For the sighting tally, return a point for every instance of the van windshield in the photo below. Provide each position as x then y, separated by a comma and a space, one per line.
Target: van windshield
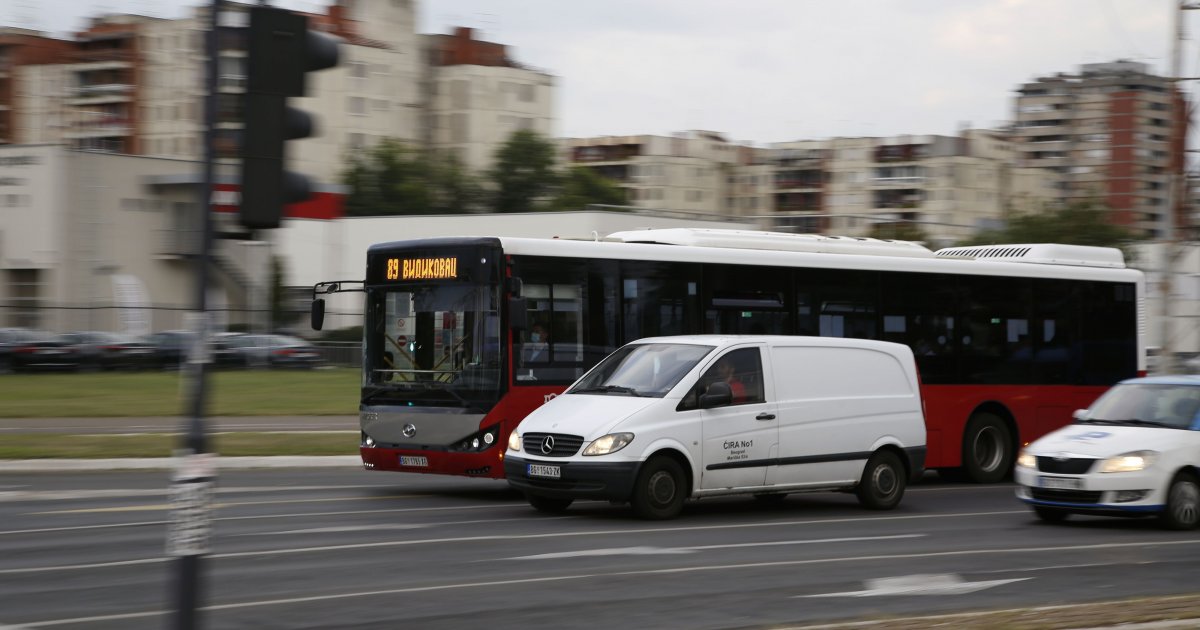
649, 370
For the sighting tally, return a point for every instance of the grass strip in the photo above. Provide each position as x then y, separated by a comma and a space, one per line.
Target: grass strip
321, 392
50, 446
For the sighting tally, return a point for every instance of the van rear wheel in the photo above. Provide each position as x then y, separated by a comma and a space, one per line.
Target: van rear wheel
883, 482
660, 489
987, 448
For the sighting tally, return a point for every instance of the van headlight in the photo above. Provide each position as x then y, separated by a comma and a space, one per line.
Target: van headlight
1129, 462
610, 443
1026, 460
514, 441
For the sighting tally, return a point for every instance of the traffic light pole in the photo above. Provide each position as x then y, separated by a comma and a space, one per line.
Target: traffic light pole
194, 476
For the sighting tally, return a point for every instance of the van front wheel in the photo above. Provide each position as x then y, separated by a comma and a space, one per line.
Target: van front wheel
883, 482
660, 489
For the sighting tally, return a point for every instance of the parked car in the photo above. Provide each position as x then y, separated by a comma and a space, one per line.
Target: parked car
110, 351
1134, 452
275, 351
30, 350
171, 347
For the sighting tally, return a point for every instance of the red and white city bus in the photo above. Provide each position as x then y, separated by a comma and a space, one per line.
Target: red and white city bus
465, 336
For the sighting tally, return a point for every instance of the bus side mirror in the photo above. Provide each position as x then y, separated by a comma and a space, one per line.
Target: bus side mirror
518, 313
719, 394
318, 313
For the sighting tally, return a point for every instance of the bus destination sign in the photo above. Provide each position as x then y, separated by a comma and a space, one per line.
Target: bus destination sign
422, 268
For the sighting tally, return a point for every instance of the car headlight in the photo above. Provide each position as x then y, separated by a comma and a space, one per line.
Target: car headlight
1026, 460
610, 443
514, 441
1129, 462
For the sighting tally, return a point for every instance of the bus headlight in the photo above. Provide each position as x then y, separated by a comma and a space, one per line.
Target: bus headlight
1026, 460
610, 443
514, 441
1129, 462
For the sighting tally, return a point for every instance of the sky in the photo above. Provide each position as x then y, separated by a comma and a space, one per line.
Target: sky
765, 71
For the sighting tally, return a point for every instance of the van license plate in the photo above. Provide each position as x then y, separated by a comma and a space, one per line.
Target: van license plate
1059, 483
540, 470
414, 460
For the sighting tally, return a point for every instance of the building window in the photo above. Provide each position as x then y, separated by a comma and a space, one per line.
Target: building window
357, 70
525, 93
357, 106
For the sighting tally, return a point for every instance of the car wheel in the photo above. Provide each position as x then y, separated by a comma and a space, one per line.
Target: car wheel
660, 489
883, 482
549, 505
1183, 503
987, 449
1051, 515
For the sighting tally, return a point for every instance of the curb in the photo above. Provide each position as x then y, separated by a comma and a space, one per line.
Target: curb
168, 463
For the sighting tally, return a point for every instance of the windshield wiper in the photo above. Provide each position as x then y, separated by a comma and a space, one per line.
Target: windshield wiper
369, 393
606, 389
1130, 421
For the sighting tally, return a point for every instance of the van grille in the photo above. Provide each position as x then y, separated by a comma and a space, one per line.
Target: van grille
563, 445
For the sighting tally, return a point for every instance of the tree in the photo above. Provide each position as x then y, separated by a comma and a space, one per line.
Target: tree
393, 178
523, 172
582, 187
898, 231
1082, 223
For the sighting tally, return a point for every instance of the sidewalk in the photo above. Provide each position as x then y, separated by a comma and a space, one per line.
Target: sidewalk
167, 463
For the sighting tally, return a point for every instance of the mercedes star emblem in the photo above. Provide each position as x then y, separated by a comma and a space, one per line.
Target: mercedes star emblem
409, 430
547, 444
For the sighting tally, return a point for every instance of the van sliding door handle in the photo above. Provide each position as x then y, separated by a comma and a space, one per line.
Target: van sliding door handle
765, 416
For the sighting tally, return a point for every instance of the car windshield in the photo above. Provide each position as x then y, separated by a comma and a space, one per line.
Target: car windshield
1147, 404
651, 369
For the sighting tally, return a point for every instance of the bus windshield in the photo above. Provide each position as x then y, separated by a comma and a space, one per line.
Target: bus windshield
432, 344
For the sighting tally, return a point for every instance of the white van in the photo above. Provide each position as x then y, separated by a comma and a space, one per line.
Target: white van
667, 418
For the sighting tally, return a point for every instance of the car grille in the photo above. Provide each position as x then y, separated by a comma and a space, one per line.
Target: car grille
1065, 496
1073, 466
564, 445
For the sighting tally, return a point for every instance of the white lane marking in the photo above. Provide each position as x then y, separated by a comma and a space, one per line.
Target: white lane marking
108, 493
584, 576
94, 565
941, 584
338, 530
649, 551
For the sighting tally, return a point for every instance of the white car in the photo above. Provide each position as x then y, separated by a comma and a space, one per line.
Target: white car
1134, 452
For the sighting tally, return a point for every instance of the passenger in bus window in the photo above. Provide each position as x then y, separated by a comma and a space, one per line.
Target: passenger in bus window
537, 349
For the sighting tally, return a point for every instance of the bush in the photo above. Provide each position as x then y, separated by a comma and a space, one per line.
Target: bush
352, 333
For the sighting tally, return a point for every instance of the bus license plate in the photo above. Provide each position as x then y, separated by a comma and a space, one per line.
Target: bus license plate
541, 470
414, 460
1059, 483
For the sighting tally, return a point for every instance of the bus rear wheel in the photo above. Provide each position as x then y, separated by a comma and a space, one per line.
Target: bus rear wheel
987, 448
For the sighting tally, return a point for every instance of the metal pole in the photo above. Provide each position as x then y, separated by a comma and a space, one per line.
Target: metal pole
1167, 360
193, 479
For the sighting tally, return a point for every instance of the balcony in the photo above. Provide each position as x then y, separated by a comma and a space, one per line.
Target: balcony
176, 243
102, 127
99, 93
901, 181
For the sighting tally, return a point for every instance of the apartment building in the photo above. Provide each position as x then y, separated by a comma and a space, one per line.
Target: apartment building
1112, 132
693, 171
478, 96
949, 186
134, 85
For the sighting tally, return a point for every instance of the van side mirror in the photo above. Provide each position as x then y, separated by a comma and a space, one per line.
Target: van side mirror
318, 313
719, 394
518, 313
1079, 414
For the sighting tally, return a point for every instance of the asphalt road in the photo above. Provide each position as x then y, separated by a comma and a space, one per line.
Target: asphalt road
356, 549
168, 424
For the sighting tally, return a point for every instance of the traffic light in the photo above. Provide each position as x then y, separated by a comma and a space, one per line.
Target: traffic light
281, 51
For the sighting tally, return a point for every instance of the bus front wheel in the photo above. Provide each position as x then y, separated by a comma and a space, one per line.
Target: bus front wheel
987, 448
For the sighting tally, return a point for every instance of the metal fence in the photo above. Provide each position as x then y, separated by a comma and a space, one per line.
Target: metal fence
341, 353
